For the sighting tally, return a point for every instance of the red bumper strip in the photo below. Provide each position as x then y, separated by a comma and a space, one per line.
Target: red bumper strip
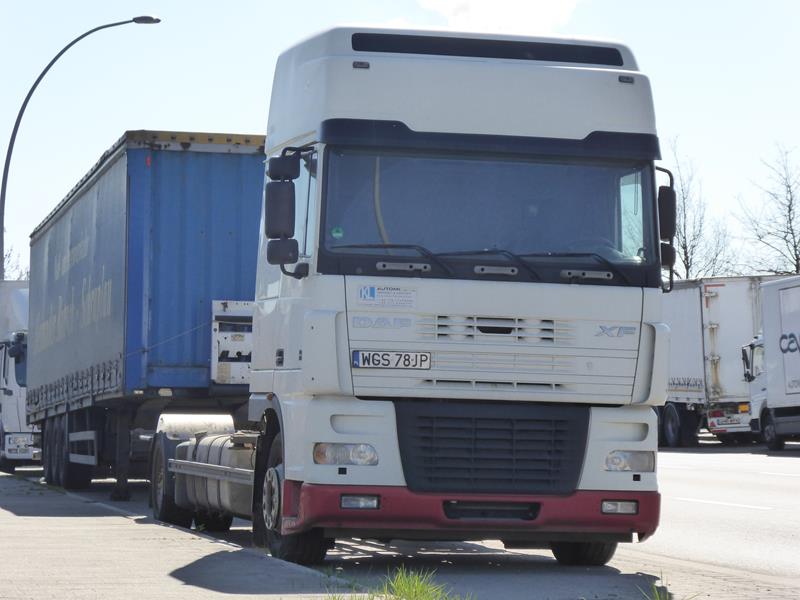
401, 509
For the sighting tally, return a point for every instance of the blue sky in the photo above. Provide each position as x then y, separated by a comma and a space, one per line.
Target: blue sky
724, 76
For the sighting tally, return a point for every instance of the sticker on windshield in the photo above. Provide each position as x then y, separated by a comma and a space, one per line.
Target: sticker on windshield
337, 233
387, 295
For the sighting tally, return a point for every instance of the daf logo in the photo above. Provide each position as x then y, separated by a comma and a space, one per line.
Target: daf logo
381, 322
615, 330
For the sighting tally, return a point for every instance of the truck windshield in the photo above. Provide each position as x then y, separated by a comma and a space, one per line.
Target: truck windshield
449, 203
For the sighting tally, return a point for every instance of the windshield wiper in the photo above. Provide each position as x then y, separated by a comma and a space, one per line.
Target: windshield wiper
515, 258
598, 257
421, 249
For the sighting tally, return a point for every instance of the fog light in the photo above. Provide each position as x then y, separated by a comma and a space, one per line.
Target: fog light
642, 461
620, 507
345, 454
363, 502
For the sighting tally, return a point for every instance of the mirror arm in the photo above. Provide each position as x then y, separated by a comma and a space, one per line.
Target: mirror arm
300, 271
669, 174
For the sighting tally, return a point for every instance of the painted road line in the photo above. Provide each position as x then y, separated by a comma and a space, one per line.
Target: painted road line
779, 474
733, 504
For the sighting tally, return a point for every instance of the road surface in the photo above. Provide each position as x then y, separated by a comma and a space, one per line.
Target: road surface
730, 529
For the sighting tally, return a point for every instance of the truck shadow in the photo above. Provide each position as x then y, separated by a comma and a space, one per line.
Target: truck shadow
244, 571
482, 571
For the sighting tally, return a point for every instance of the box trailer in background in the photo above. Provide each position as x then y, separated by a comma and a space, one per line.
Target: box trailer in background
16, 436
772, 364
124, 273
708, 319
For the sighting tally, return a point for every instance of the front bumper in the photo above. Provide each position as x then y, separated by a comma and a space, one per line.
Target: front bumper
405, 514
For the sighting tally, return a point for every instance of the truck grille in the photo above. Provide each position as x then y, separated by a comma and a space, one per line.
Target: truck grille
491, 447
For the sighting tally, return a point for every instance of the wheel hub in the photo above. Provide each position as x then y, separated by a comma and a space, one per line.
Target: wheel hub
271, 498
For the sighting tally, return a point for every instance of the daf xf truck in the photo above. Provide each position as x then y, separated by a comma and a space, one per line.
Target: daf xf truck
772, 364
457, 330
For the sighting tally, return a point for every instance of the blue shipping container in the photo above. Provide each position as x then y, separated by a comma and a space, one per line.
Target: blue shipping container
124, 270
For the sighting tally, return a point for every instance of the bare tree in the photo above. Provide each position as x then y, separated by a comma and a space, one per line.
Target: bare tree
701, 244
13, 268
775, 225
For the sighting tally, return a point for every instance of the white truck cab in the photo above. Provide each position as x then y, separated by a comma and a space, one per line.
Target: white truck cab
469, 343
16, 436
772, 364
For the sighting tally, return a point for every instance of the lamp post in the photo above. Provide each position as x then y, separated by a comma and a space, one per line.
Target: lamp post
144, 20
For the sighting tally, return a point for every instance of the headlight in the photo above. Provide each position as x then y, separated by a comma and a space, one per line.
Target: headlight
344, 454
642, 461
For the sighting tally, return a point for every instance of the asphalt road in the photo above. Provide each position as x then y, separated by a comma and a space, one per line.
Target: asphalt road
730, 528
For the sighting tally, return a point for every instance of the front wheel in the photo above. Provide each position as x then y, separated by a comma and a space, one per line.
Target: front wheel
306, 548
771, 437
583, 554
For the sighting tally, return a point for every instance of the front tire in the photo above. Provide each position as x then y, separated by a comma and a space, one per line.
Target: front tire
7, 466
771, 437
583, 554
306, 548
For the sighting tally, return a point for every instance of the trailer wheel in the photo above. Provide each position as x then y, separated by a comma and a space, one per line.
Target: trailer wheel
584, 554
74, 476
771, 437
47, 450
7, 466
206, 521
672, 426
306, 548
59, 451
162, 496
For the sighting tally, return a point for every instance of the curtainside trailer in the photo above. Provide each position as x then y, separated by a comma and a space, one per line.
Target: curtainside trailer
124, 275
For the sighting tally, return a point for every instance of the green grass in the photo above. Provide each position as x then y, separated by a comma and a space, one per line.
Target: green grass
403, 584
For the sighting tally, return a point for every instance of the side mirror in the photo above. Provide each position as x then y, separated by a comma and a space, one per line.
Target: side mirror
286, 167
282, 252
666, 212
279, 209
667, 256
748, 376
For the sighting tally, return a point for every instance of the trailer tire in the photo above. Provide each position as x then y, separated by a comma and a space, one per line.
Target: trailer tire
162, 492
206, 521
771, 437
583, 554
59, 450
673, 435
47, 451
306, 548
689, 425
74, 476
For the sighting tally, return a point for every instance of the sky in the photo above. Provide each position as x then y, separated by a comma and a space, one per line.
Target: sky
724, 77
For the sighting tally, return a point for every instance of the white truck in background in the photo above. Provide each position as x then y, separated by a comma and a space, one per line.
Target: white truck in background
772, 364
16, 436
457, 330
708, 319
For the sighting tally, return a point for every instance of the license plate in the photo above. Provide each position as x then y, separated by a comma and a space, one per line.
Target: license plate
376, 359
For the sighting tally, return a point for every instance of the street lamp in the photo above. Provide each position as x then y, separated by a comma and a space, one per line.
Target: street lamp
144, 20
